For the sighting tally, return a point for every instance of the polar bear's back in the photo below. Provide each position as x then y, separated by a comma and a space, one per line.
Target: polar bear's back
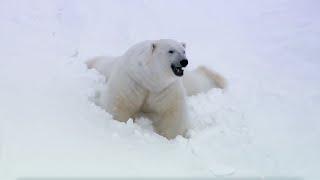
102, 64
138, 49
202, 80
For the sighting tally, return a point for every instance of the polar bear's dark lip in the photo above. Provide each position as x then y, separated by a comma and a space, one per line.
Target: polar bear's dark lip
177, 70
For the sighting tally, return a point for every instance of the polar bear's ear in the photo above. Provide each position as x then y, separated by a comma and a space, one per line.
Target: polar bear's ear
183, 44
153, 47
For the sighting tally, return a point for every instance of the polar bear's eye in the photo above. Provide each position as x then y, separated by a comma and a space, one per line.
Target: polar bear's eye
171, 51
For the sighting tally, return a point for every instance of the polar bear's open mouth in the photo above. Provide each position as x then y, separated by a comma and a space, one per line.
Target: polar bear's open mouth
177, 70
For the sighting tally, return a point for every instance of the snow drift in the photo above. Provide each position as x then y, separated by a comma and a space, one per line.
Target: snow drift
265, 124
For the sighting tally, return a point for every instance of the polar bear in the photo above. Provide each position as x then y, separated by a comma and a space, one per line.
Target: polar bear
200, 80
147, 80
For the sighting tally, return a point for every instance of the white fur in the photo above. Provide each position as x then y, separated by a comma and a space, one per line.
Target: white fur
202, 80
141, 81
102, 64
197, 81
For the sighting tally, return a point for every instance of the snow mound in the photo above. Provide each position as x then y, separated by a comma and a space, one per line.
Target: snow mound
265, 124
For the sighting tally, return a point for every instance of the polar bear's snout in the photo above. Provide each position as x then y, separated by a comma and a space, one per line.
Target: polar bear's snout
184, 62
177, 67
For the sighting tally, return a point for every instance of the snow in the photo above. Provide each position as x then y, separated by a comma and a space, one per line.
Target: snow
265, 124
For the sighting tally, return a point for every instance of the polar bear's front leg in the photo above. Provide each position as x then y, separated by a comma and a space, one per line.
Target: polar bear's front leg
170, 117
122, 97
172, 124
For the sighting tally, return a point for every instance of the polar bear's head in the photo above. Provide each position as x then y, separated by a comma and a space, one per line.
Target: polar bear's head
155, 64
169, 55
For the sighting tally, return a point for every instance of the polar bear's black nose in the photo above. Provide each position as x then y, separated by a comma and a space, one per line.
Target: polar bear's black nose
184, 62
